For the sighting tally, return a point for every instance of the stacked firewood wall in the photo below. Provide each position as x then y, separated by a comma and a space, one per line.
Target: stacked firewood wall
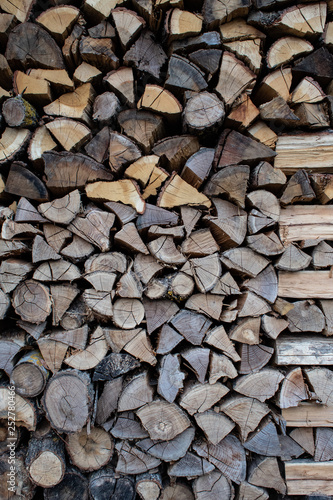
166, 283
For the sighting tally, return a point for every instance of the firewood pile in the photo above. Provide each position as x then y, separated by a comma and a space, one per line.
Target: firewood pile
166, 284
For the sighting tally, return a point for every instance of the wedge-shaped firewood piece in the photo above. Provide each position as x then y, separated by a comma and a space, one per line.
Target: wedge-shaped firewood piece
215, 425
168, 339
244, 261
220, 366
12, 230
22, 182
26, 212
273, 326
4, 304
75, 105
42, 251
298, 189
25, 412
217, 12
41, 141
308, 91
170, 379
176, 151
136, 393
158, 312
21, 10
265, 284
124, 190
293, 389
147, 173
176, 233
59, 270
304, 437
140, 347
277, 83
159, 100
34, 89
98, 9
128, 25
197, 397
246, 412
91, 355
90, 451
163, 420
261, 385
265, 441
113, 365
192, 326
267, 177
198, 166
59, 21
230, 225
129, 238
247, 50
206, 303
321, 380
129, 286
206, 271
69, 133
131, 460
58, 78
190, 464
235, 148
121, 82
99, 53
144, 127
265, 243
78, 250
305, 316
197, 360
31, 301
230, 181
62, 210
183, 74
68, 171
218, 338
128, 313
122, 151
248, 491
72, 415
317, 65
313, 116
53, 353
170, 450
266, 471
182, 24
126, 426
86, 73
164, 250
228, 456
246, 331
234, 78
76, 338
94, 227
262, 133
286, 49
11, 248
31, 46
324, 445
124, 213
146, 55
56, 236
117, 338
293, 152
293, 259
254, 357
243, 113
156, 215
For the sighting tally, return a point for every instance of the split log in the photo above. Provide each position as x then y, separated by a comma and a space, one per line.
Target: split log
230, 224
128, 25
286, 49
76, 105
94, 226
192, 326
22, 182
243, 113
304, 437
25, 411
215, 13
122, 151
218, 338
234, 78
293, 389
308, 415
126, 427
266, 471
121, 81
305, 284
215, 426
293, 259
197, 397
185, 75
59, 21
176, 151
177, 192
261, 385
302, 222
124, 190
159, 100
154, 56
98, 52
170, 420
230, 181
245, 412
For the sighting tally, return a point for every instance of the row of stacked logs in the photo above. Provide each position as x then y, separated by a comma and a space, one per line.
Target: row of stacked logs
166, 292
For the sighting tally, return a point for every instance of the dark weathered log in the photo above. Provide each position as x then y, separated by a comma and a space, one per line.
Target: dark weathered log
45, 461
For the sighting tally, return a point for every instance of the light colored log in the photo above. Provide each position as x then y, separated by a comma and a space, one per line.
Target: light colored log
305, 284
304, 350
306, 477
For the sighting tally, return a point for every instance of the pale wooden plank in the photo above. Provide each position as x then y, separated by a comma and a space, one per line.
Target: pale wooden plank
305, 284
304, 350
306, 222
308, 415
305, 477
309, 151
